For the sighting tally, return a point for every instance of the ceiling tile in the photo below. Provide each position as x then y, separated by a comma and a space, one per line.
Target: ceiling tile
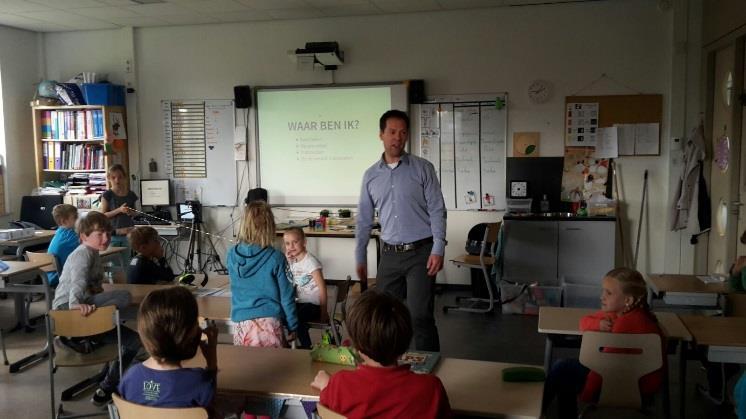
351, 10
31, 24
138, 21
274, 4
68, 4
158, 9
189, 19
242, 16
19, 6
398, 6
117, 2
469, 4
62, 17
216, 6
326, 4
104, 13
305, 13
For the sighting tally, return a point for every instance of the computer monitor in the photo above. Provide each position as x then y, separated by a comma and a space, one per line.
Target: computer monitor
185, 212
155, 192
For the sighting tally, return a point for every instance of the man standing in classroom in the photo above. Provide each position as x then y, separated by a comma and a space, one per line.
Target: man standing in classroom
405, 190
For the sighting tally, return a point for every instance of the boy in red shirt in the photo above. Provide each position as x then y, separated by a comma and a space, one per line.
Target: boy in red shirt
381, 328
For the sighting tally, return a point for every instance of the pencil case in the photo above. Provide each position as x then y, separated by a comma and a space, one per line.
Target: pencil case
332, 354
523, 374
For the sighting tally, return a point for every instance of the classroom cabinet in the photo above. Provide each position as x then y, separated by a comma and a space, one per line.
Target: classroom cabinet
558, 252
530, 251
585, 251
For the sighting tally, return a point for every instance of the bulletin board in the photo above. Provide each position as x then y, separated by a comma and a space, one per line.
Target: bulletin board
464, 137
625, 109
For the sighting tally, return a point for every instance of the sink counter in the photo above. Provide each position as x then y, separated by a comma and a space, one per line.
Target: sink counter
555, 217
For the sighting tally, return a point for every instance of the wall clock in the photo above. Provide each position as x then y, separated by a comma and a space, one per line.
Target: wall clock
539, 91
518, 189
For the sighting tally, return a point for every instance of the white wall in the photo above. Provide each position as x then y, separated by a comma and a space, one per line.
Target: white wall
19, 74
474, 51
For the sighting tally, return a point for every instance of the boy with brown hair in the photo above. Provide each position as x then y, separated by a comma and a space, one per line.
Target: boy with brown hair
80, 288
149, 266
65, 238
380, 328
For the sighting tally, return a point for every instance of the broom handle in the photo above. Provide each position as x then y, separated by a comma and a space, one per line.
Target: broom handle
639, 221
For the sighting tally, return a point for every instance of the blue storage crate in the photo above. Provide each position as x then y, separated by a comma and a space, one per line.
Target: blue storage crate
103, 94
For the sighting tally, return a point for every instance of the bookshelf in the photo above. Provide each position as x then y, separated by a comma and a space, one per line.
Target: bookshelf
85, 139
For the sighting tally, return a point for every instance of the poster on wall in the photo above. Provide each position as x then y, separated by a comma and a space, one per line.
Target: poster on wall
583, 175
582, 124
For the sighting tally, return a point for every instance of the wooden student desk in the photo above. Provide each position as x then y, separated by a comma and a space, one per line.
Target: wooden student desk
17, 279
139, 291
725, 337
39, 237
686, 289
473, 387
566, 321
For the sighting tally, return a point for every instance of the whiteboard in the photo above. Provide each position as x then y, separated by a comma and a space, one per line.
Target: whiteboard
465, 138
315, 142
219, 187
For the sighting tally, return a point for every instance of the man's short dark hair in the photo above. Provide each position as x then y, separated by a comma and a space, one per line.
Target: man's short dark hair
93, 221
167, 323
393, 114
380, 326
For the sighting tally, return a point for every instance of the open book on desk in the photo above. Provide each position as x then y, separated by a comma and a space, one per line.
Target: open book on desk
420, 362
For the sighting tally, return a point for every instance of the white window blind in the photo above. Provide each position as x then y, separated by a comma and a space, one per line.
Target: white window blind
188, 139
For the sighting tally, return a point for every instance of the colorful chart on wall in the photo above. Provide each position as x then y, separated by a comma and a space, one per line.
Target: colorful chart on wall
464, 137
583, 175
582, 123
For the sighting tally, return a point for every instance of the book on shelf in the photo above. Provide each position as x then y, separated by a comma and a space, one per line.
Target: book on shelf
84, 124
420, 362
58, 156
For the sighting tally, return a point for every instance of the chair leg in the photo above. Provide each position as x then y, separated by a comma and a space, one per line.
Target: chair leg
74, 390
2, 345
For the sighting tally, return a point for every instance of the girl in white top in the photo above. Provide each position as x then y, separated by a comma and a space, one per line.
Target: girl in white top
308, 280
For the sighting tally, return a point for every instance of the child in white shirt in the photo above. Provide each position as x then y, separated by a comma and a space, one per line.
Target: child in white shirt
308, 280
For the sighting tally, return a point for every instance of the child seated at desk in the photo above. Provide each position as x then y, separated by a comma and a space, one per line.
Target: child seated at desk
167, 323
65, 238
261, 292
148, 266
80, 288
308, 279
380, 328
624, 309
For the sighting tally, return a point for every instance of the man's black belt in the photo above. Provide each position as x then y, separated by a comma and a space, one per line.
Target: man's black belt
406, 247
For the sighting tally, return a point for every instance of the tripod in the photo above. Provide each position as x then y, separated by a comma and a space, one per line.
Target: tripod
195, 245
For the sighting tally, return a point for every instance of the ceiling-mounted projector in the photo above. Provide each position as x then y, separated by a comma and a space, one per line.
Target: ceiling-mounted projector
324, 55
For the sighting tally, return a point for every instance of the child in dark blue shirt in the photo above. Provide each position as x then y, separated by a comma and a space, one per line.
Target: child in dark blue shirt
65, 238
170, 332
149, 266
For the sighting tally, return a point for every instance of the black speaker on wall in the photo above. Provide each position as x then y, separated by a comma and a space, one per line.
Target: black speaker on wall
242, 96
416, 91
